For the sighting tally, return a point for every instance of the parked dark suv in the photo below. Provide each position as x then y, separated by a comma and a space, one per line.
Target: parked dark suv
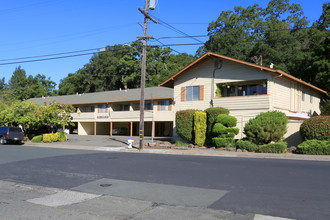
11, 134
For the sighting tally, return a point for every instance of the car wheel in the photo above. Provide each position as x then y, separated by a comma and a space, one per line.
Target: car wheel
2, 140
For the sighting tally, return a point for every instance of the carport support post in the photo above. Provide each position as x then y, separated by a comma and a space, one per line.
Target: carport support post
94, 128
131, 129
111, 128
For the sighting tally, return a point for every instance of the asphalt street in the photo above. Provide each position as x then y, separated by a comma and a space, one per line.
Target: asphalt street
286, 188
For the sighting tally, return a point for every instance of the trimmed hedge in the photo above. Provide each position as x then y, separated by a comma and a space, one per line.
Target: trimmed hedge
226, 120
49, 138
61, 136
246, 145
223, 142
200, 128
279, 147
212, 114
314, 147
37, 139
266, 127
316, 128
224, 132
184, 121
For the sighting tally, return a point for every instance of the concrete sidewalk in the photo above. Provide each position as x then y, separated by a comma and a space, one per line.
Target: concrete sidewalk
118, 143
21, 201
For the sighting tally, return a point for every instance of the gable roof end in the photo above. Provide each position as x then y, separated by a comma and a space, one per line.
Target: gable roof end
170, 81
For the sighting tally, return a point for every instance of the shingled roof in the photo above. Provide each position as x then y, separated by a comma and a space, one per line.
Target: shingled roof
151, 93
170, 81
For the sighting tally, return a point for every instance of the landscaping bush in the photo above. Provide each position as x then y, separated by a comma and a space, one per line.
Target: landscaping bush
223, 131
212, 114
184, 121
25, 138
279, 147
223, 142
246, 145
266, 127
37, 139
181, 143
316, 128
226, 120
314, 147
49, 138
61, 136
200, 127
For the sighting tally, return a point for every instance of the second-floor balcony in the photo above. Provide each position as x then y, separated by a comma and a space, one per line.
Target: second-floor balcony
112, 116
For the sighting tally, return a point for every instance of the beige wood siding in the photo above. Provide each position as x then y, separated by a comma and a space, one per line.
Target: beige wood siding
281, 93
202, 75
310, 108
257, 102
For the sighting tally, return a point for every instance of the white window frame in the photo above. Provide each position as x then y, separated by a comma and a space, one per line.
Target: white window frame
192, 96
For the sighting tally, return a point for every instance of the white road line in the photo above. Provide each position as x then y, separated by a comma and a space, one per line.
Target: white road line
268, 217
63, 198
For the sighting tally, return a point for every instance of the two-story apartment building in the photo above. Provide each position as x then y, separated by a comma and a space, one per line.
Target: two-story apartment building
118, 112
246, 89
213, 80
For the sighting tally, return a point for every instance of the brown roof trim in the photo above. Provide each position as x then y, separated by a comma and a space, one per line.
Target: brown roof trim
167, 83
125, 101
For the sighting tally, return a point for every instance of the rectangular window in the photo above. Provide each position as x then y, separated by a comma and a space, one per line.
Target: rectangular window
147, 106
103, 108
238, 89
192, 93
252, 90
164, 105
241, 90
124, 107
303, 96
311, 99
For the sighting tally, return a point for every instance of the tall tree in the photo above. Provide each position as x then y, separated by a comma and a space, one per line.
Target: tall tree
280, 33
120, 67
17, 84
23, 87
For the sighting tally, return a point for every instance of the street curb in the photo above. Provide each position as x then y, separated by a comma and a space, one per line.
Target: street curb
188, 152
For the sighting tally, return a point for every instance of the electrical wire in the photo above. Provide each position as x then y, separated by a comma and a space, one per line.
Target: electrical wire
163, 23
52, 58
48, 55
165, 45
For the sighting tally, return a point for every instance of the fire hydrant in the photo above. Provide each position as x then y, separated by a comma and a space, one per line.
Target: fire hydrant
130, 142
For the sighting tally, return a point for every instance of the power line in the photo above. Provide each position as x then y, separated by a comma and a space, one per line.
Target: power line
164, 45
163, 23
48, 55
52, 58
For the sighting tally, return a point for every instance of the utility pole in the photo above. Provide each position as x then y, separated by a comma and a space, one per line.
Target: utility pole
145, 37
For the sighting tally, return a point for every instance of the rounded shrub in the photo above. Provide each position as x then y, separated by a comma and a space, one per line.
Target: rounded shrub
226, 120
279, 147
184, 121
314, 147
246, 145
49, 138
61, 136
266, 127
37, 139
316, 128
223, 142
224, 132
200, 127
212, 114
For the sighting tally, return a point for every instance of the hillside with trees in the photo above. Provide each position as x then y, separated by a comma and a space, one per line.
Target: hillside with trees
279, 33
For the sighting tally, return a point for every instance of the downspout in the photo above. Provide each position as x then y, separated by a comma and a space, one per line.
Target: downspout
217, 66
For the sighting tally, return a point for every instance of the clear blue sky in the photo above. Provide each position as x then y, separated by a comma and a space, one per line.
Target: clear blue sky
39, 27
